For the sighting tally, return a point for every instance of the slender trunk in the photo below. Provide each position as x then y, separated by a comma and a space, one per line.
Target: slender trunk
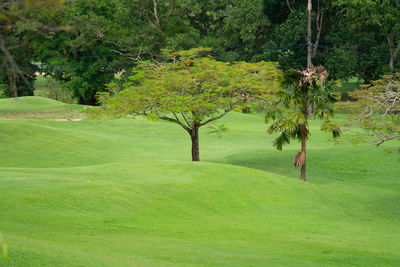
303, 149
309, 44
13, 84
393, 50
391, 62
309, 52
310, 110
195, 143
318, 25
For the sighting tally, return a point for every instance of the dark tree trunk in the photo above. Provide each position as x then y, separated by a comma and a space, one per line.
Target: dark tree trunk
195, 143
90, 101
303, 150
246, 110
309, 44
310, 50
13, 84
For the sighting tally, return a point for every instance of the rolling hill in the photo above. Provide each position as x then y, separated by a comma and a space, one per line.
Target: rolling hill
125, 193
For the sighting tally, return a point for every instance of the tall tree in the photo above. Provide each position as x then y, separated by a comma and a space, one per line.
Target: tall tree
108, 37
20, 23
382, 14
343, 38
289, 114
303, 26
192, 91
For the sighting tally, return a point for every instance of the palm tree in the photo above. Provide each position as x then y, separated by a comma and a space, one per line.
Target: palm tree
290, 111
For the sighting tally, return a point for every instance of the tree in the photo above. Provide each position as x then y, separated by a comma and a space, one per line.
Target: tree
235, 29
82, 58
295, 26
108, 37
192, 91
245, 28
345, 40
289, 113
376, 112
383, 14
20, 23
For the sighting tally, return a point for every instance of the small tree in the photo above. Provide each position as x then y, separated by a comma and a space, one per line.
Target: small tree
377, 111
290, 113
192, 91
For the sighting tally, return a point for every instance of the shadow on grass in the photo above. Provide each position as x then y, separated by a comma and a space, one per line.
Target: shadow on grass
323, 165
279, 162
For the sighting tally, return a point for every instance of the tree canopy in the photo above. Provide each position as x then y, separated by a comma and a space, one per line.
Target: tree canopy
191, 90
21, 22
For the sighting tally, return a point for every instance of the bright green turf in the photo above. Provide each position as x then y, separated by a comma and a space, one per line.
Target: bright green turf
124, 193
37, 107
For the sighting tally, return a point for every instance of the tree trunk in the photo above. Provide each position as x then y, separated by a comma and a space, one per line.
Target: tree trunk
303, 149
13, 84
195, 143
393, 50
391, 62
309, 44
310, 53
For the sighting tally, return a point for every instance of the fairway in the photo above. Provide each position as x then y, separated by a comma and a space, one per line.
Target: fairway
124, 193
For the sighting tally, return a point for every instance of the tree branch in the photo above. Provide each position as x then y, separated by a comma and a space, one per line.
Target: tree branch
171, 9
11, 62
155, 2
387, 139
318, 23
215, 118
184, 117
396, 51
174, 120
289, 6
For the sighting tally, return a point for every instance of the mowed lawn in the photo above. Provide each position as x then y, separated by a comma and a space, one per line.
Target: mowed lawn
125, 193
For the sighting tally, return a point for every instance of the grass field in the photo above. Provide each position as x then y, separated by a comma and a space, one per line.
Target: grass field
349, 86
125, 193
38, 108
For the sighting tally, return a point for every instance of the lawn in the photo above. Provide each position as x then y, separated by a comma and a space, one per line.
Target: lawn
35, 107
125, 193
349, 86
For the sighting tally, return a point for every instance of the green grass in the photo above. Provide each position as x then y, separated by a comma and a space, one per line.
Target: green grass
125, 193
349, 86
35, 107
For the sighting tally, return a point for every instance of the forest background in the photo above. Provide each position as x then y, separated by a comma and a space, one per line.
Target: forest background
83, 45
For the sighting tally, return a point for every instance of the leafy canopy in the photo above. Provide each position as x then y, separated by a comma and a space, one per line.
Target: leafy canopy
192, 90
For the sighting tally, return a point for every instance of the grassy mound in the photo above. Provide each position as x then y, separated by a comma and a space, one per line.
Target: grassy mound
36, 107
124, 193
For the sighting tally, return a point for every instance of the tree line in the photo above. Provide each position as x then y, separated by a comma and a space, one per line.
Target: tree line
84, 43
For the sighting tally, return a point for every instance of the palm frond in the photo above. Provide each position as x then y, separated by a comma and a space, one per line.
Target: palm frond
281, 140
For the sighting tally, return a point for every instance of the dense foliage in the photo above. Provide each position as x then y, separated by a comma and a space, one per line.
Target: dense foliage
21, 22
350, 38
